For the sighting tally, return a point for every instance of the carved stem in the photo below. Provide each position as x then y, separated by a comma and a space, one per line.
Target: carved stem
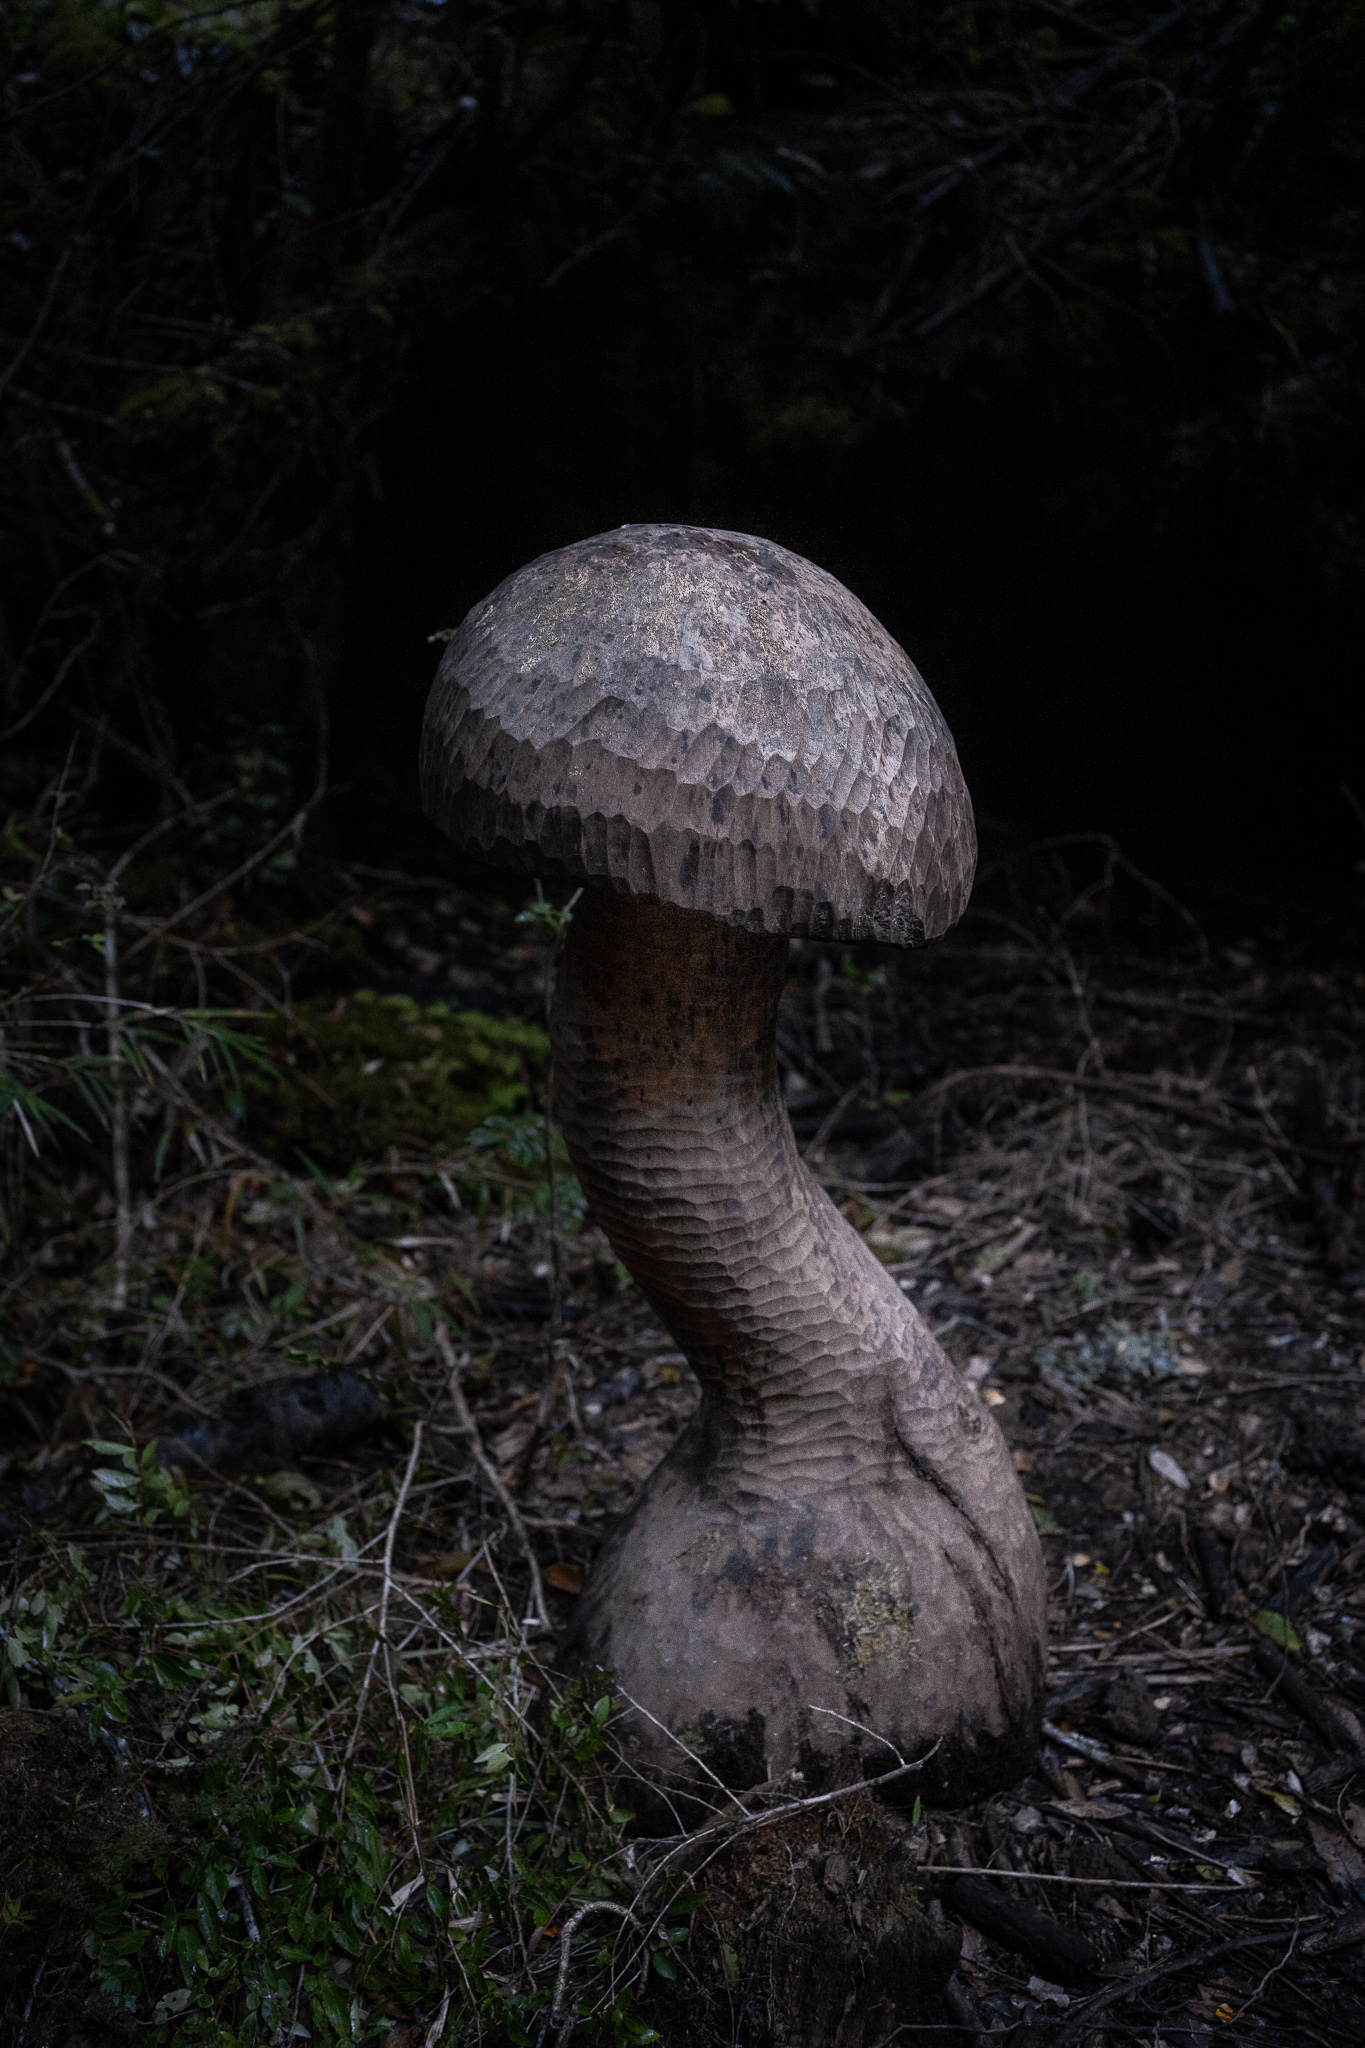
667, 1085
840, 1529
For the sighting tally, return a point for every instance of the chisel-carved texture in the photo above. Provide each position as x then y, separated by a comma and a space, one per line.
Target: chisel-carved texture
708, 719
726, 748
841, 1527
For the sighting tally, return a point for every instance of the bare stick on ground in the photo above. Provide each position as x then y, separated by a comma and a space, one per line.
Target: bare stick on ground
466, 1424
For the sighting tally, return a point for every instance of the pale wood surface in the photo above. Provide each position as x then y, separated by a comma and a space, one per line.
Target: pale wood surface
709, 719
690, 721
841, 1526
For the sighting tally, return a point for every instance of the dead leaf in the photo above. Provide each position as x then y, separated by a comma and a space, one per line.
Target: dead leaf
565, 1578
1165, 1467
891, 1246
509, 1443
1345, 1932
443, 1564
1345, 1864
1354, 1818
1350, 1721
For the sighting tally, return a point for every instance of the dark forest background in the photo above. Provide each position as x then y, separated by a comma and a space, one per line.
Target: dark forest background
1039, 324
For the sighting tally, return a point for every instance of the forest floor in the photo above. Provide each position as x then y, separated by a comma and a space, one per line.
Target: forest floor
1123, 1185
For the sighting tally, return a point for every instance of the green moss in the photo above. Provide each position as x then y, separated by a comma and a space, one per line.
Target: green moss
372, 1071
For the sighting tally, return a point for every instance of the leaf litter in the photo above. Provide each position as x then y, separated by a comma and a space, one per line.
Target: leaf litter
328, 1772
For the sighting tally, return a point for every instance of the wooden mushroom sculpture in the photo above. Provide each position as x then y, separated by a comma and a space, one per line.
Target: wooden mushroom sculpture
724, 749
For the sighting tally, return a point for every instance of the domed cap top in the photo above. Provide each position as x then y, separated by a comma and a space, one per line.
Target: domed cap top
705, 718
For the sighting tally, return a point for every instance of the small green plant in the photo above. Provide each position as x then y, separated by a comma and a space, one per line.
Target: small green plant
521, 1142
154, 1045
551, 918
1083, 1288
346, 1833
137, 1484
1269, 1624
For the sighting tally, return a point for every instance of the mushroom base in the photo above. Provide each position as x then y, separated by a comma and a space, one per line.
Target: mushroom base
840, 1536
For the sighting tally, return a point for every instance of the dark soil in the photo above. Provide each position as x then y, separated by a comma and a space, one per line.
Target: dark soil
1122, 1183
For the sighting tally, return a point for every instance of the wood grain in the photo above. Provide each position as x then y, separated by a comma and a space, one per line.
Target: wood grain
841, 1526
725, 748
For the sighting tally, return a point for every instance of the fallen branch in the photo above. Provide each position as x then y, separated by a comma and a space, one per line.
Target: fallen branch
1064, 1955
566, 1935
293, 830
1109, 1884
1094, 1084
1082, 2020
1345, 1932
381, 1627
1273, 1971
409, 1791
40, 319
1300, 1695
1189, 1109
749, 1823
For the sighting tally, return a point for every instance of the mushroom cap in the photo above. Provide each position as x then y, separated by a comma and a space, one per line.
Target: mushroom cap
704, 718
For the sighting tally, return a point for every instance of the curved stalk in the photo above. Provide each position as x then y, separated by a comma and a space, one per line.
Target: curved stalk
841, 1526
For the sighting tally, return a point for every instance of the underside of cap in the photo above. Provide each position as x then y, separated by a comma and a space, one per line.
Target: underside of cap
707, 719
